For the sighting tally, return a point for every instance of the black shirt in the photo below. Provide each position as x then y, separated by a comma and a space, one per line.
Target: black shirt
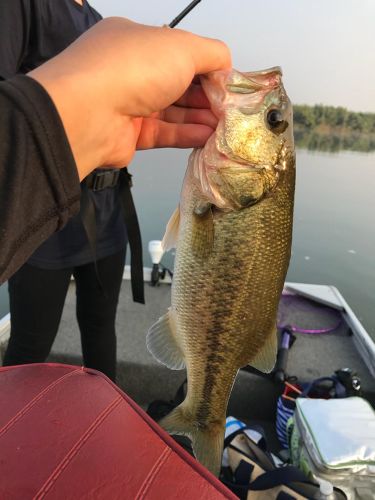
31, 32
41, 191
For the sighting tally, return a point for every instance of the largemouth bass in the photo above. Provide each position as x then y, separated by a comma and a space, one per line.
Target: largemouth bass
233, 233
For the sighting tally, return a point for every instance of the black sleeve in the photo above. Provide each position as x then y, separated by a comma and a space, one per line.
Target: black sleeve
15, 18
39, 184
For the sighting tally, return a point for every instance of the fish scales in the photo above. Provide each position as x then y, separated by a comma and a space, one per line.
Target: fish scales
233, 230
227, 316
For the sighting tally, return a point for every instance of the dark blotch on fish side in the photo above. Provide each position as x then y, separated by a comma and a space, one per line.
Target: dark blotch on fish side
216, 349
247, 200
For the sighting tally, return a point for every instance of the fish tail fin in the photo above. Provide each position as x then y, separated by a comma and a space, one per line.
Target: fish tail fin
208, 448
207, 442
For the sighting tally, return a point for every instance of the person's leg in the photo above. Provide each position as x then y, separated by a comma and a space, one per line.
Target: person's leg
36, 298
96, 311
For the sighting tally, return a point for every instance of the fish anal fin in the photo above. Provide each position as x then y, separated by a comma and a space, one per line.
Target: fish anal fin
202, 234
265, 358
171, 232
162, 342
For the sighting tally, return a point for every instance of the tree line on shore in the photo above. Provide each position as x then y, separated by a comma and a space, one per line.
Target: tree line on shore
318, 115
330, 128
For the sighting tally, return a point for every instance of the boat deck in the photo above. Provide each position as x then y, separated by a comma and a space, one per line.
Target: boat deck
253, 397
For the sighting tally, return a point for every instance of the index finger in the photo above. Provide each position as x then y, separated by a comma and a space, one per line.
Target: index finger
208, 54
194, 97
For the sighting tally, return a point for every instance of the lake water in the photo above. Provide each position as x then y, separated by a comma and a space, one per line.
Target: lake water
334, 236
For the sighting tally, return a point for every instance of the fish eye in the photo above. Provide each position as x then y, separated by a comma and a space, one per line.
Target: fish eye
275, 121
274, 118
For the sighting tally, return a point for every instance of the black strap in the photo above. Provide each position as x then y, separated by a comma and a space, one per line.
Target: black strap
262, 443
243, 472
134, 236
97, 182
242, 480
334, 389
88, 218
278, 477
242, 477
287, 476
285, 496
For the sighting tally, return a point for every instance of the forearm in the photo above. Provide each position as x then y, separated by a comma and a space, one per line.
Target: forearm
39, 185
93, 129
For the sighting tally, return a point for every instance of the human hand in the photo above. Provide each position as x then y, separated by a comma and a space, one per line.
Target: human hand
124, 85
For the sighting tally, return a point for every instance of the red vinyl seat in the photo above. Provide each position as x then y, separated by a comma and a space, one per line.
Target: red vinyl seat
68, 432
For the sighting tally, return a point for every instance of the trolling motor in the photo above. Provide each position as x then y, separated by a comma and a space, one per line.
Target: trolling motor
158, 270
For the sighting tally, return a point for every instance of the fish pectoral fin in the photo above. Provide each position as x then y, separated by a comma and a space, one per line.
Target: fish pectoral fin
171, 232
162, 342
202, 233
245, 190
265, 358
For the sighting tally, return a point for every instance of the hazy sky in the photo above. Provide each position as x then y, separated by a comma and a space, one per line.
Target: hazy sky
325, 47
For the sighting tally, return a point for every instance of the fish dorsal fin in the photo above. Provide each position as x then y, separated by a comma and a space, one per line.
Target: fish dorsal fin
162, 342
171, 232
265, 358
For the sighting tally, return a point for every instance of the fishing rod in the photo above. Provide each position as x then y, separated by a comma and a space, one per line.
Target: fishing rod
184, 13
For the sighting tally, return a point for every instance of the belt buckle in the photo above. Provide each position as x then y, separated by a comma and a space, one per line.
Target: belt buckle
105, 179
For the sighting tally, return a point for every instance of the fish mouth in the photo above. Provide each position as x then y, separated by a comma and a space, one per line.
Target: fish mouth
231, 158
234, 158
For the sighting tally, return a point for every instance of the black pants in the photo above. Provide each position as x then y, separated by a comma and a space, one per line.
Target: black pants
37, 299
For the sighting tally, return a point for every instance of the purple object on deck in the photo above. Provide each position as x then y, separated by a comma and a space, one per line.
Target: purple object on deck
290, 303
285, 340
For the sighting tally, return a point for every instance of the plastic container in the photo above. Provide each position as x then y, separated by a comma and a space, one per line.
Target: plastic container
325, 491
